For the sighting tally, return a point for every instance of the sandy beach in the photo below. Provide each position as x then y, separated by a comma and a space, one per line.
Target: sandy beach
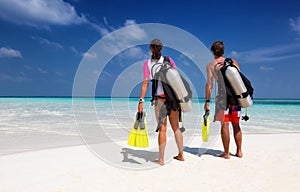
75, 73
270, 163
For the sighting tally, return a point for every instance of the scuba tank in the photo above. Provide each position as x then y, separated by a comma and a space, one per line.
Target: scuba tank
174, 85
175, 81
234, 78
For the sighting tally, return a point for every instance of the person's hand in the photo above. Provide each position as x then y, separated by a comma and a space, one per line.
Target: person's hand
206, 106
140, 106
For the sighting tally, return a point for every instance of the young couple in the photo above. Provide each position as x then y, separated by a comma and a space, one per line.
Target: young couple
230, 114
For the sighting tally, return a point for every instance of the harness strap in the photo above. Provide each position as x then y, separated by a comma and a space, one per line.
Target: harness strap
185, 99
243, 95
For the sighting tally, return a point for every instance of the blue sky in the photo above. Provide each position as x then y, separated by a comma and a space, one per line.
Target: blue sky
43, 42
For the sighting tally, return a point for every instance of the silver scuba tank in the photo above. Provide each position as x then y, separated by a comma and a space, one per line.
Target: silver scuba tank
176, 83
238, 86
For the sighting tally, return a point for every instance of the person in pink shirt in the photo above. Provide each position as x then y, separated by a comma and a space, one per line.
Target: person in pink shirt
150, 68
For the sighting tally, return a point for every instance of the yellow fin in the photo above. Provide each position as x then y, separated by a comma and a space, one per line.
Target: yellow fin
138, 136
132, 136
142, 139
205, 130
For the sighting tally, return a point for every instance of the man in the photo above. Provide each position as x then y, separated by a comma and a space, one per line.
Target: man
227, 107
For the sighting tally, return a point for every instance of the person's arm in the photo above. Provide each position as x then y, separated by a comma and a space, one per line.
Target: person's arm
208, 87
143, 94
144, 87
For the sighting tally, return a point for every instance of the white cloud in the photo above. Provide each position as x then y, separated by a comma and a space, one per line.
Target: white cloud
105, 75
40, 12
19, 78
11, 53
27, 67
295, 25
74, 50
46, 42
105, 20
103, 31
264, 68
42, 71
59, 73
235, 54
268, 54
135, 32
118, 42
4, 76
183, 60
43, 13
129, 22
90, 55
124, 38
77, 52
134, 52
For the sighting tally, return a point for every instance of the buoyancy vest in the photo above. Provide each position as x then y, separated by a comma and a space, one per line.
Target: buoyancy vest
237, 87
172, 101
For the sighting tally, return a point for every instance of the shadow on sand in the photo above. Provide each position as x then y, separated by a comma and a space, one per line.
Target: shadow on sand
202, 151
129, 154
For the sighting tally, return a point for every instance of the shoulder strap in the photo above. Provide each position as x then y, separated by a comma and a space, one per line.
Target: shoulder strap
153, 74
229, 62
160, 62
167, 63
166, 58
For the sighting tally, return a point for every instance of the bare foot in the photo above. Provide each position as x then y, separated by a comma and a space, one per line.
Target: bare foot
225, 156
159, 162
179, 158
240, 154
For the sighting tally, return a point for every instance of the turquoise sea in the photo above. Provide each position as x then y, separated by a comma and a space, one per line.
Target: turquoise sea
28, 123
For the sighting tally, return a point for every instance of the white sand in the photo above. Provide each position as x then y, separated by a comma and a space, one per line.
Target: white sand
271, 162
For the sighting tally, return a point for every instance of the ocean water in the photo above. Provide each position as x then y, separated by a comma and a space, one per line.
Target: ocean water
38, 123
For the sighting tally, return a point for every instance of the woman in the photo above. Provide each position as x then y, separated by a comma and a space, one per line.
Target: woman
150, 69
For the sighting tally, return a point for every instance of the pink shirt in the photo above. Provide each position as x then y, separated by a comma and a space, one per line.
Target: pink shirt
147, 72
148, 65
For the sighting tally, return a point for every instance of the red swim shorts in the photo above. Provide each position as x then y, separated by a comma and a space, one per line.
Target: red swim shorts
231, 114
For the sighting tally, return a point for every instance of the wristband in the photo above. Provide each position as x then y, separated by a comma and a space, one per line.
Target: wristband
207, 101
141, 100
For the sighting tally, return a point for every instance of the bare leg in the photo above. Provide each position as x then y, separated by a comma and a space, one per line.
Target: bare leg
225, 139
237, 132
162, 143
173, 118
162, 137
